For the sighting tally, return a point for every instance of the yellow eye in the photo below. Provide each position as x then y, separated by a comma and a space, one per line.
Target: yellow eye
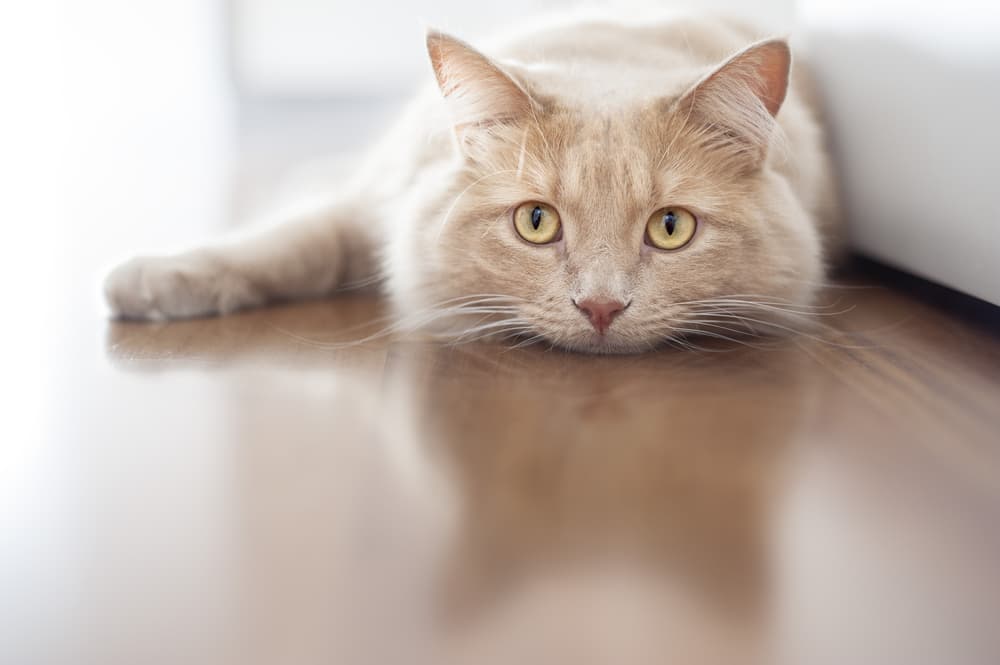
537, 223
670, 228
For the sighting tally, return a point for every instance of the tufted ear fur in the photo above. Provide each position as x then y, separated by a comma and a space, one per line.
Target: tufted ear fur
478, 91
736, 103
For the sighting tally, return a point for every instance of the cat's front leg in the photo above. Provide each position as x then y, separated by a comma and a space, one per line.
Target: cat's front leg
307, 257
186, 285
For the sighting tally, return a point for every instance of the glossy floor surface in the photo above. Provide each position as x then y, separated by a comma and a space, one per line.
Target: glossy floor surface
262, 489
257, 489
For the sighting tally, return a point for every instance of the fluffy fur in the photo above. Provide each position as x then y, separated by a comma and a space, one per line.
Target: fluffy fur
605, 121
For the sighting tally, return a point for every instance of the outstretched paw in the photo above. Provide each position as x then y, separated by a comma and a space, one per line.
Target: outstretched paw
158, 288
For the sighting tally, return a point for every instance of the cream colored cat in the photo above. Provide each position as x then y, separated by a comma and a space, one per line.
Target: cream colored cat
603, 185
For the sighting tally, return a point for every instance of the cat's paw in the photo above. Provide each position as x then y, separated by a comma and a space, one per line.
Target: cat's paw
159, 288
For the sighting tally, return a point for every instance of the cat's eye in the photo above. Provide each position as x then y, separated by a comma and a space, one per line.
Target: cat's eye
537, 223
670, 228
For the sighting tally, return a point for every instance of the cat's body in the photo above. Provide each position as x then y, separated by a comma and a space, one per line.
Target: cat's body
599, 125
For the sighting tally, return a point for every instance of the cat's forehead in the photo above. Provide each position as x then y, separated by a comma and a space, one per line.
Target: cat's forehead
604, 162
616, 164
626, 162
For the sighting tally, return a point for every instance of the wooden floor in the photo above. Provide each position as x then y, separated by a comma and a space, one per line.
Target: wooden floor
259, 489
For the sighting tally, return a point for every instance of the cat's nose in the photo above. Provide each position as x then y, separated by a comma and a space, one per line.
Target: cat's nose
600, 311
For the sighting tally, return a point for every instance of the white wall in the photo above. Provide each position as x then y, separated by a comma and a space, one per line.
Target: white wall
324, 48
913, 99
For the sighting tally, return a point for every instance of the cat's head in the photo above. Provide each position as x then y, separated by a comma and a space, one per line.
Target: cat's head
612, 224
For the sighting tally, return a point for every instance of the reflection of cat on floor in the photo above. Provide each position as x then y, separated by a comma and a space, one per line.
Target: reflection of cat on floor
599, 185
578, 535
478, 503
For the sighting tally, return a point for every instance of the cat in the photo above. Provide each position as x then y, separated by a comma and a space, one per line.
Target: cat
597, 184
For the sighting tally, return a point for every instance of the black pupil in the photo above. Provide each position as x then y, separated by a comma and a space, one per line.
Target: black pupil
670, 223
536, 217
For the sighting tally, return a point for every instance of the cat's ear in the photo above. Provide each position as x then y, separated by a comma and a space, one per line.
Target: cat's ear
741, 97
478, 91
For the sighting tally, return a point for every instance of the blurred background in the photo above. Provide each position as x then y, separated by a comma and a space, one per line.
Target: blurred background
308, 48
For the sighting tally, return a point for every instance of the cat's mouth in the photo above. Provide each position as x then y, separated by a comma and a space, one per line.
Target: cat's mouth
591, 341
613, 343
607, 343
565, 331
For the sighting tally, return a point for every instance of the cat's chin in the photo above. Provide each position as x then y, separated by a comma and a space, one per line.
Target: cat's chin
609, 344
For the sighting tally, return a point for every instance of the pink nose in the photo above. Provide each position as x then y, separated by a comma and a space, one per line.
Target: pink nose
601, 312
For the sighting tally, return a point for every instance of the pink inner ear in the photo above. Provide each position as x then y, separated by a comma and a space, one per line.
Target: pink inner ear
738, 101
476, 87
770, 83
761, 69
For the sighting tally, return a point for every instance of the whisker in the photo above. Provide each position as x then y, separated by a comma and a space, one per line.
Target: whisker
472, 304
797, 331
781, 309
754, 300
454, 204
361, 283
